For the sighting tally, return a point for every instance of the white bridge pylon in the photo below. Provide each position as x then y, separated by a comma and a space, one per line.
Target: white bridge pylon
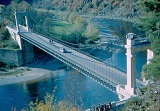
132, 47
23, 14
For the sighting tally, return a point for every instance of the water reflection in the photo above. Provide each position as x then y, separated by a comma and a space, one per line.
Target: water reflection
32, 90
111, 30
117, 28
72, 87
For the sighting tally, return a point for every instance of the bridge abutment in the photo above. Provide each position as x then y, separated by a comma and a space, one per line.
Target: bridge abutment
27, 52
26, 47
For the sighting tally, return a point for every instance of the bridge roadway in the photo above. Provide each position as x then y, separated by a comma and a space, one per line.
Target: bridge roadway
96, 70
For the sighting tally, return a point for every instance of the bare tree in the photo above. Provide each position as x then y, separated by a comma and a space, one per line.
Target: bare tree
73, 88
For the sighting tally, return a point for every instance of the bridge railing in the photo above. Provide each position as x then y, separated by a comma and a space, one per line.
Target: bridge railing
70, 47
75, 64
96, 59
85, 54
78, 49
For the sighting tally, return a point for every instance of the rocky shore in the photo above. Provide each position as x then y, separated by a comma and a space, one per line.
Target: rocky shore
30, 72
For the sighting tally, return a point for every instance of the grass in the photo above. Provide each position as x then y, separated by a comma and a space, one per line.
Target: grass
59, 28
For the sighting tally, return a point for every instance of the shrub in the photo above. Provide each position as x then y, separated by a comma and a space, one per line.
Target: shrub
131, 102
49, 105
72, 18
92, 32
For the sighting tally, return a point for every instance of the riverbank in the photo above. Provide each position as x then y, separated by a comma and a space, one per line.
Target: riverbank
31, 71
113, 17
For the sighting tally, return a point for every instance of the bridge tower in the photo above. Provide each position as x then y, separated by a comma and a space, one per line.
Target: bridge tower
17, 15
132, 47
131, 64
26, 47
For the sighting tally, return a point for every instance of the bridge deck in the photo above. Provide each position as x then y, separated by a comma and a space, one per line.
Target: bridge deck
78, 60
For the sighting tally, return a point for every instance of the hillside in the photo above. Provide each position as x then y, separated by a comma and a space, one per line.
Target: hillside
114, 8
109, 8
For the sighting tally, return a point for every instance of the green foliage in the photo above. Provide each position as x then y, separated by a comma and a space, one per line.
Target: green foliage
4, 34
5, 39
155, 40
152, 70
151, 5
81, 22
8, 13
90, 7
49, 105
148, 100
72, 18
75, 35
150, 23
74, 31
92, 32
131, 102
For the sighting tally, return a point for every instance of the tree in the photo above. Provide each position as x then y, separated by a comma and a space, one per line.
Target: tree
49, 105
4, 34
92, 32
76, 35
150, 23
22, 6
73, 88
72, 18
147, 99
152, 70
155, 40
81, 21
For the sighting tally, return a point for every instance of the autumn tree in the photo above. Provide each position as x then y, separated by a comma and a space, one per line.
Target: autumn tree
92, 32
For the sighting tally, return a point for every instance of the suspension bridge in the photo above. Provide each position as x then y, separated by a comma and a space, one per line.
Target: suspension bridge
107, 76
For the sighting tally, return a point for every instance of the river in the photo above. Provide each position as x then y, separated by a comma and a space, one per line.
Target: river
71, 85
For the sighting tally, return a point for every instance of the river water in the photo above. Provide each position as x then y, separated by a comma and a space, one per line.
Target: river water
73, 86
